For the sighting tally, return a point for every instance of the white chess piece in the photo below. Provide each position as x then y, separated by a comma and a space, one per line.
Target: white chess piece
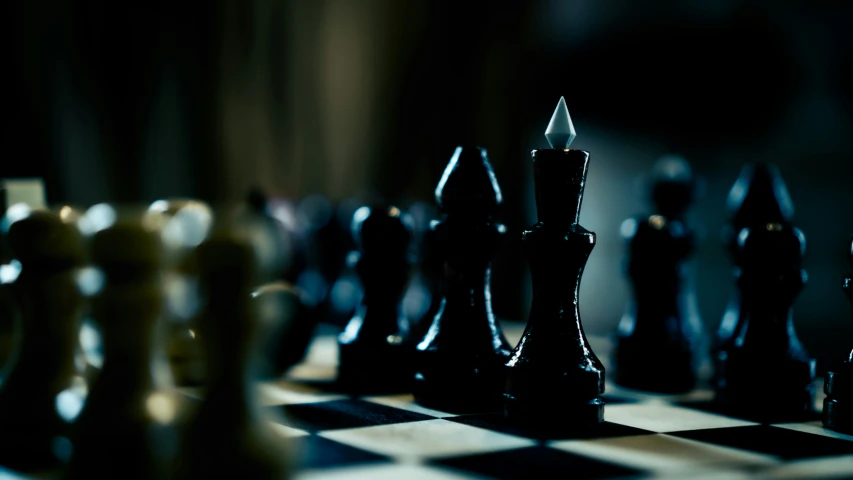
230, 436
124, 430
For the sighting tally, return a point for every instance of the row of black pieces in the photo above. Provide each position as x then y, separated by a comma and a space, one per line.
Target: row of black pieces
657, 339
463, 362
762, 370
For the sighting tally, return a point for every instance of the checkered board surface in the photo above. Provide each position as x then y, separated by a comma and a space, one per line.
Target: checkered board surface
645, 436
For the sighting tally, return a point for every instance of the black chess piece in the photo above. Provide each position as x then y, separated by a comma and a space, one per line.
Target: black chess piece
294, 324
764, 371
461, 358
278, 216
41, 372
837, 412
431, 265
658, 337
423, 297
553, 378
757, 198
375, 349
287, 343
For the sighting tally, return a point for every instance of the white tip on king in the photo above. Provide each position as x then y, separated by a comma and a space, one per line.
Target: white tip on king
560, 131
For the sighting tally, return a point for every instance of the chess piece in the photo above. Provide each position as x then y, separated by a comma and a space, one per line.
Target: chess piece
230, 436
460, 359
837, 411
431, 273
25, 194
35, 404
658, 336
765, 373
423, 296
297, 319
757, 198
187, 223
553, 379
375, 351
286, 343
125, 429
325, 256
279, 247
292, 326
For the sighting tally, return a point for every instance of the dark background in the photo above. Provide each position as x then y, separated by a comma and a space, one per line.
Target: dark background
135, 101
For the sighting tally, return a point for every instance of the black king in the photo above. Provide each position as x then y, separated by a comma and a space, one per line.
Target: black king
553, 378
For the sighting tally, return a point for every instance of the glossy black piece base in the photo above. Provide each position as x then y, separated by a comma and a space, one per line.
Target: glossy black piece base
777, 391
545, 417
375, 368
461, 391
838, 404
666, 369
553, 378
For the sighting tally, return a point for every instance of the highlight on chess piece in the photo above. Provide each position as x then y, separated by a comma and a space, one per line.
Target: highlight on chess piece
837, 411
461, 358
658, 337
553, 378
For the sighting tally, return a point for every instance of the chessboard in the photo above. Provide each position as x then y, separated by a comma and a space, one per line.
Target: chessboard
336, 436
339, 436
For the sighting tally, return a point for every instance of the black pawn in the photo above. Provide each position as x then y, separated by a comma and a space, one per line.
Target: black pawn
375, 351
554, 380
757, 198
837, 413
765, 373
460, 359
658, 336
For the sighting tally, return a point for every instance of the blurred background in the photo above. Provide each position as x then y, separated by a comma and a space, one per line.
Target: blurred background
132, 102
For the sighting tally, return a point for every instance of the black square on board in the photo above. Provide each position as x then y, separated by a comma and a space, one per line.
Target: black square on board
781, 442
318, 452
498, 423
348, 413
758, 416
535, 462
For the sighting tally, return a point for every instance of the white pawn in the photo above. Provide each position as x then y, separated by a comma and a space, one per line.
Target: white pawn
41, 371
124, 429
230, 436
